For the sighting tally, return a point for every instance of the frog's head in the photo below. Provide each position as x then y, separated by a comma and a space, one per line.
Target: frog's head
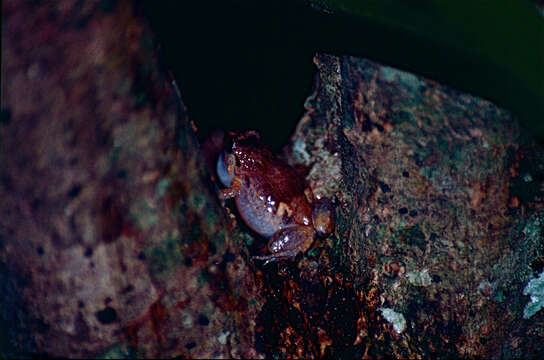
242, 148
239, 147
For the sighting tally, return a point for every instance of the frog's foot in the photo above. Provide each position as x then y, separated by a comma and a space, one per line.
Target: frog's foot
284, 209
267, 258
232, 191
288, 254
309, 195
323, 217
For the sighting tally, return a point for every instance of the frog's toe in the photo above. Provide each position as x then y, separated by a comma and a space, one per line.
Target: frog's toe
267, 258
285, 255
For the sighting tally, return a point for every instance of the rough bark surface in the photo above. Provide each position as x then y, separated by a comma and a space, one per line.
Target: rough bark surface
440, 215
113, 242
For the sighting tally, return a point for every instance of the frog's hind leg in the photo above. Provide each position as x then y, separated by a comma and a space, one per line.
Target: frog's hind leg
288, 242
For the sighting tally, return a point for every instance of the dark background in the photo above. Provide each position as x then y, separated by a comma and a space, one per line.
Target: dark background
239, 65
248, 64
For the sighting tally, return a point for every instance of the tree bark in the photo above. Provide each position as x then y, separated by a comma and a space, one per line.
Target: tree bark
113, 241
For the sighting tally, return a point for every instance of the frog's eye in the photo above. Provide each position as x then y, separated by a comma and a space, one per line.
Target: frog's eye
223, 171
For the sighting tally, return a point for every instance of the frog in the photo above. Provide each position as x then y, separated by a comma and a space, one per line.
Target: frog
272, 198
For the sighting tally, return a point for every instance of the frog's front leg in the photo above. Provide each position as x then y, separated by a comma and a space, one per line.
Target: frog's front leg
288, 242
232, 191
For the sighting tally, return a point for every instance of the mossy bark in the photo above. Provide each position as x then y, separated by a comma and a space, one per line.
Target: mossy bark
113, 241
440, 210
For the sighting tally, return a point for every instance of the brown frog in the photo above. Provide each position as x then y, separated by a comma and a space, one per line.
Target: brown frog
272, 198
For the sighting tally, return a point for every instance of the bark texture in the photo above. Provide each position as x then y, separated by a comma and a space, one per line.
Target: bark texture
440, 212
113, 242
